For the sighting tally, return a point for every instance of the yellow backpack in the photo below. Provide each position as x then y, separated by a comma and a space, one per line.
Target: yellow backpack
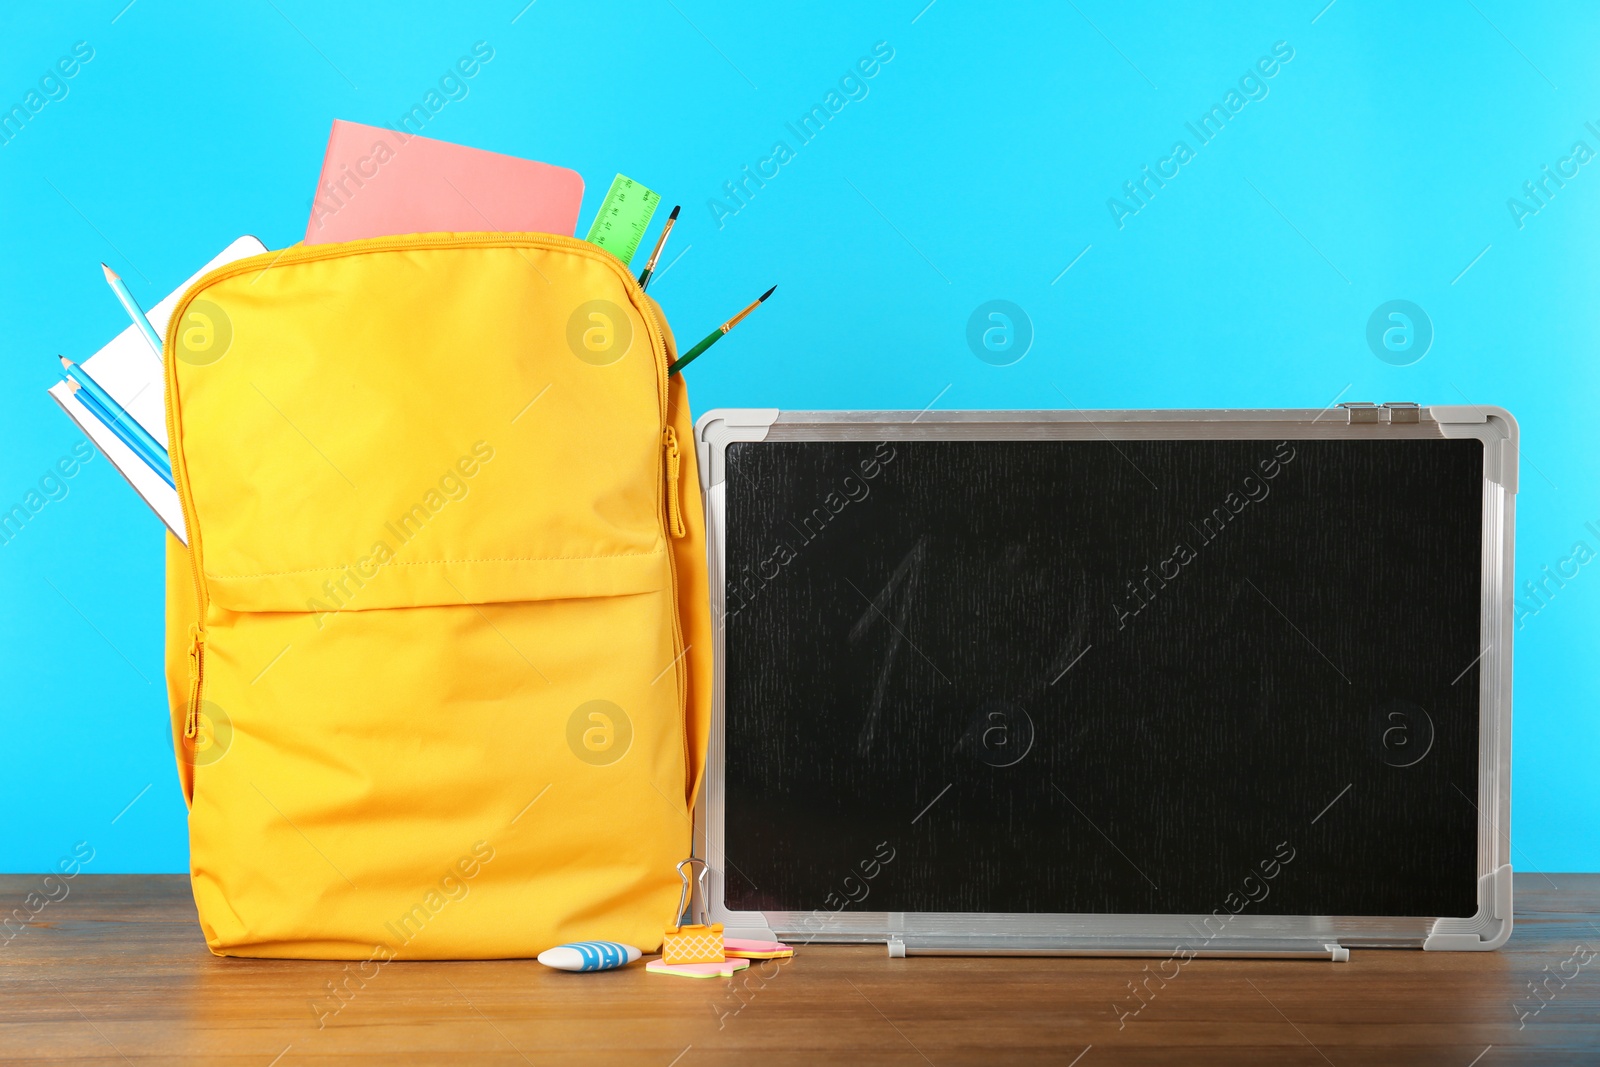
437, 650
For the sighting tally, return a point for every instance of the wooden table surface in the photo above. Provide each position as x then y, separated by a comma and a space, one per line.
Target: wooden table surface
117, 973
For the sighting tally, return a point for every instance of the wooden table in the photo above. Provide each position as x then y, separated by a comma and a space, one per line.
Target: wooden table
117, 973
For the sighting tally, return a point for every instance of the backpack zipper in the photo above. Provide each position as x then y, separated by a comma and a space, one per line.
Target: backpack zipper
197, 670
197, 633
674, 471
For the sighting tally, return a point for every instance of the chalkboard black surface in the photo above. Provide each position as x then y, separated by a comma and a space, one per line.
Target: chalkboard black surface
1103, 677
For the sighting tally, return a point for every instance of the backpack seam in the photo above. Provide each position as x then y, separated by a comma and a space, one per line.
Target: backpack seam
431, 562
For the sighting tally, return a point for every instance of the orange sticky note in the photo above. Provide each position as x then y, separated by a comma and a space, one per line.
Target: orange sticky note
742, 948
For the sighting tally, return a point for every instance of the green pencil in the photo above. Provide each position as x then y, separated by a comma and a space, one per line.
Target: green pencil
716, 335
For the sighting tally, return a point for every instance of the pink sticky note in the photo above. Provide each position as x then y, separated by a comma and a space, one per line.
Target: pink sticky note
725, 969
379, 182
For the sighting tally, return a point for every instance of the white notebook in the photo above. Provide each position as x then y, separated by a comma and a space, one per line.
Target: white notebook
131, 373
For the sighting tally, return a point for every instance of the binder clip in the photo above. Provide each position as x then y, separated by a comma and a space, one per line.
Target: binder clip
696, 942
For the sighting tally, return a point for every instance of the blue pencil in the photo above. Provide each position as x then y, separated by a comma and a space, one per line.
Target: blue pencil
131, 306
105, 419
120, 422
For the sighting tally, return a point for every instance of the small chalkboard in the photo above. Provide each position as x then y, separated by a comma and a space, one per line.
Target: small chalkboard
1023, 664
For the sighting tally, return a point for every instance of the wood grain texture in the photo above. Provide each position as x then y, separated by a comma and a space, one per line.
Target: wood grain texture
117, 973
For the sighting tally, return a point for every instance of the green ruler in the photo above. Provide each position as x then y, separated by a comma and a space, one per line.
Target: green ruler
623, 217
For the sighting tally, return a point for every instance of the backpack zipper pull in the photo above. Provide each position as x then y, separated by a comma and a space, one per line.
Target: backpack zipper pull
197, 656
674, 468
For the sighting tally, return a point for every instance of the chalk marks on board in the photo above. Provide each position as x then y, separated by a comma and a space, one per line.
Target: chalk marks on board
897, 595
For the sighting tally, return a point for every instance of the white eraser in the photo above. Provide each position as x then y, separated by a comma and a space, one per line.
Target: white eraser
589, 956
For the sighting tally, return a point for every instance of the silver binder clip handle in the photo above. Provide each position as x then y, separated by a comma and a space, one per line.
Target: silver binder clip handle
683, 898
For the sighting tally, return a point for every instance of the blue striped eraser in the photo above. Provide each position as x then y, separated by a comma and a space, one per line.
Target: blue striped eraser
589, 956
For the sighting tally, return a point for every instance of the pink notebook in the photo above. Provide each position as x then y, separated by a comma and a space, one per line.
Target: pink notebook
377, 182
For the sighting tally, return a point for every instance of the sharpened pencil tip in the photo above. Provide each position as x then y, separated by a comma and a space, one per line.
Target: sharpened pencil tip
65, 362
674, 213
111, 275
768, 293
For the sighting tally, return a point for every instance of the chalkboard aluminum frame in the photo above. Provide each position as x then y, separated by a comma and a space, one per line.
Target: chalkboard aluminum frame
1326, 936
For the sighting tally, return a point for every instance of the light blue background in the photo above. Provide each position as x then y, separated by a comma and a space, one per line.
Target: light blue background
977, 167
